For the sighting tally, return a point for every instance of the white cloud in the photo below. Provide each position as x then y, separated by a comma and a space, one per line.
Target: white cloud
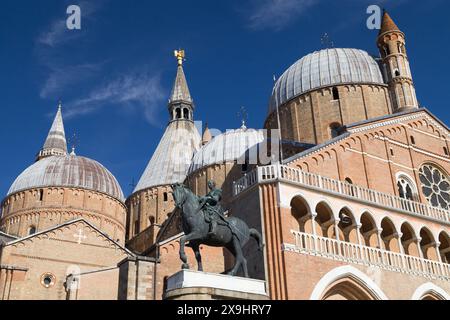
143, 91
276, 14
64, 76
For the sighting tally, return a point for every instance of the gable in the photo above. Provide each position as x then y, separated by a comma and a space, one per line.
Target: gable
373, 153
76, 242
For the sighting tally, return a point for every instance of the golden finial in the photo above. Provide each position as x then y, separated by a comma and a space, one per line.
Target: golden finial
180, 55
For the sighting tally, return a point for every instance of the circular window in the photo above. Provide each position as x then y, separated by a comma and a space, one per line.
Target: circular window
435, 186
48, 280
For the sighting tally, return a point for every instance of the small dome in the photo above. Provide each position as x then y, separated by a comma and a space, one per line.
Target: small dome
68, 171
227, 147
325, 68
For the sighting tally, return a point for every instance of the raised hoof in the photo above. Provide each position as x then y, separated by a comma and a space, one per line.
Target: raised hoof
185, 266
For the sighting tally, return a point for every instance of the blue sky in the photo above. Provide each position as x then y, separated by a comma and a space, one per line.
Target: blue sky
114, 75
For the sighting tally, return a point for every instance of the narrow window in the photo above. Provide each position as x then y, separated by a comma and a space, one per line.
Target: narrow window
335, 93
409, 193
166, 197
186, 113
335, 130
413, 141
178, 113
397, 73
392, 152
41, 195
446, 151
31, 230
352, 190
401, 191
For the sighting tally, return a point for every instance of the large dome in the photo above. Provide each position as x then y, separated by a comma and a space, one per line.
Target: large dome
325, 68
227, 147
68, 171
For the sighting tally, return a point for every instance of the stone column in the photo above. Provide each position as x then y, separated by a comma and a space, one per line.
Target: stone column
380, 245
438, 253
336, 231
419, 248
313, 222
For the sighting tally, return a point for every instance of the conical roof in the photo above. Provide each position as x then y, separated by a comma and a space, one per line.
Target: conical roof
55, 143
207, 137
181, 140
180, 91
388, 25
172, 158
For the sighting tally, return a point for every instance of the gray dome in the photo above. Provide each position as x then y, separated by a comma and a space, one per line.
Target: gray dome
68, 171
325, 68
227, 147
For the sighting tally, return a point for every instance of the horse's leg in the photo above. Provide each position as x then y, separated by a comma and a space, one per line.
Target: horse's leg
183, 240
240, 259
198, 256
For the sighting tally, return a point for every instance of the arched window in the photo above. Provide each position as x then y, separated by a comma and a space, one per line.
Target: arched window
335, 93
178, 112
165, 196
446, 151
406, 188
186, 113
444, 248
31, 230
413, 141
335, 130
397, 72
435, 186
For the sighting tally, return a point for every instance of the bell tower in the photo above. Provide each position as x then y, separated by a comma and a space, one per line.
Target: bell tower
181, 105
392, 45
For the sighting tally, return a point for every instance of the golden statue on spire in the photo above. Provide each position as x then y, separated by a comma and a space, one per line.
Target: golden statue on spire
180, 55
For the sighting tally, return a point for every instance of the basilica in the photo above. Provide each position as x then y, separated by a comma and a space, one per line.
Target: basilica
354, 204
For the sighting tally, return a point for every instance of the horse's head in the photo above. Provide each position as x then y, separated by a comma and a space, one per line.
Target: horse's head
179, 194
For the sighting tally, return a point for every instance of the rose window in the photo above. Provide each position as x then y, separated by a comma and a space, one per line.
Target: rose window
435, 186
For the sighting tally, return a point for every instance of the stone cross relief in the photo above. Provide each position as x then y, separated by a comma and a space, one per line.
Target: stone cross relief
80, 236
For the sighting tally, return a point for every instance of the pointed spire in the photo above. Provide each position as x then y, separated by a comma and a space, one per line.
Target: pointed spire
55, 144
207, 137
180, 91
388, 25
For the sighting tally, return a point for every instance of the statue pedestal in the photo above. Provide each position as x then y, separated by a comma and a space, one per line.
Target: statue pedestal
194, 285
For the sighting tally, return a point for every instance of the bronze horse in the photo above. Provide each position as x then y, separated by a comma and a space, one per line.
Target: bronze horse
196, 230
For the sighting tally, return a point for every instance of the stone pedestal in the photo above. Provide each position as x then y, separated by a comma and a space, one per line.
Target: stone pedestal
136, 278
194, 285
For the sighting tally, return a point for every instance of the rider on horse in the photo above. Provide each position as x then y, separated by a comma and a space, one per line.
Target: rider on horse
212, 209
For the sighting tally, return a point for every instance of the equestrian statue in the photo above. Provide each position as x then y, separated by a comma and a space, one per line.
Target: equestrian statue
204, 223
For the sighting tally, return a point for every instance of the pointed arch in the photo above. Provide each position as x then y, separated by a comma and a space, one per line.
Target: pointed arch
430, 290
348, 278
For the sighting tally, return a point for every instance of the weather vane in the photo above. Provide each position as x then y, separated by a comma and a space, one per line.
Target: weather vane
243, 115
180, 55
326, 41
